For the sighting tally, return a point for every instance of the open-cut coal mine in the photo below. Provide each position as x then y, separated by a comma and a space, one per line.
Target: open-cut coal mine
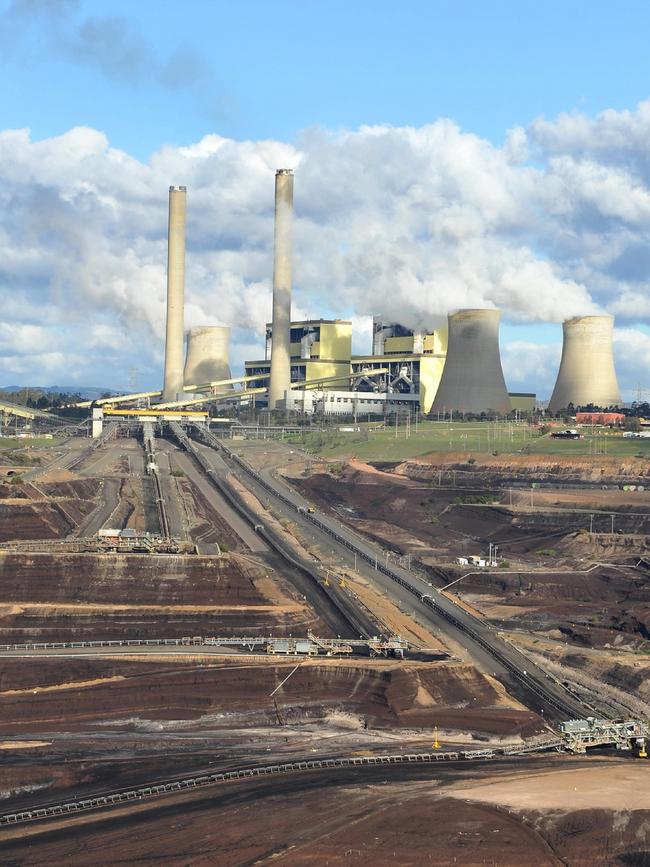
258, 633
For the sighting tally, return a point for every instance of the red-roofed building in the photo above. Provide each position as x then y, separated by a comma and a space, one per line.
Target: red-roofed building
606, 418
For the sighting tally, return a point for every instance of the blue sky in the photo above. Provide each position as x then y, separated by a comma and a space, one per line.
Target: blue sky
259, 69
486, 153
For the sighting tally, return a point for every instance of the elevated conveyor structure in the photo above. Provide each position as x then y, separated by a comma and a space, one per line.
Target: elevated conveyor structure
28, 412
180, 784
309, 645
579, 735
148, 438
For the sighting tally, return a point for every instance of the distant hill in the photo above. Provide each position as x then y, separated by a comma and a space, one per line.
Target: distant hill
87, 392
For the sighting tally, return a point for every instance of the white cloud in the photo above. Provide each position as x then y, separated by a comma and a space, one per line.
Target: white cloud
526, 362
406, 222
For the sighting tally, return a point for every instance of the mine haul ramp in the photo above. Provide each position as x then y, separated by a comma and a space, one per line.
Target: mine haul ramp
359, 619
548, 691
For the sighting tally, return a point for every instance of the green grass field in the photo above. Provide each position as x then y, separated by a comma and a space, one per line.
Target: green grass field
471, 438
7, 443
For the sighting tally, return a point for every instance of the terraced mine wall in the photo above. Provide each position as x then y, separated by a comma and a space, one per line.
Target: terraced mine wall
510, 470
65, 597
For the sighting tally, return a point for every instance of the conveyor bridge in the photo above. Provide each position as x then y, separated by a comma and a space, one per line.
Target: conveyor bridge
578, 735
292, 645
107, 799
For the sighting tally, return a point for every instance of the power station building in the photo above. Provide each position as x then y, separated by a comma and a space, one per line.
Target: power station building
321, 358
414, 361
308, 365
405, 370
319, 349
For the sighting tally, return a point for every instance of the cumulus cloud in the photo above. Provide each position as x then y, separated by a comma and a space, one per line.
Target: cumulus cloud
525, 362
409, 223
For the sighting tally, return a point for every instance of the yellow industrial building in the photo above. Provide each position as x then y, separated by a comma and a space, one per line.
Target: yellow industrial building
322, 348
411, 364
319, 349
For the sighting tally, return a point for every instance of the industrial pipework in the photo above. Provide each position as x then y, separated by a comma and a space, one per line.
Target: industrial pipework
587, 373
280, 328
173, 380
472, 378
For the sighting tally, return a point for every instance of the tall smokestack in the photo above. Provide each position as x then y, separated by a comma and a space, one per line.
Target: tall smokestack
173, 383
281, 324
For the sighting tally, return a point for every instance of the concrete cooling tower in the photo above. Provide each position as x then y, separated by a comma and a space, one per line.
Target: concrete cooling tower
587, 372
207, 355
472, 378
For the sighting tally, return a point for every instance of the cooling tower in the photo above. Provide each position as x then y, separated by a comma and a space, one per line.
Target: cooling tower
280, 380
207, 355
587, 372
173, 381
472, 378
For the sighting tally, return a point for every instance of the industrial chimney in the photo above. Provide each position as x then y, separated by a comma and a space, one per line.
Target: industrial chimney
472, 378
173, 382
207, 355
280, 380
587, 372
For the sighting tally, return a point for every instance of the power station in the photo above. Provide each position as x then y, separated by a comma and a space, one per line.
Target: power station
308, 366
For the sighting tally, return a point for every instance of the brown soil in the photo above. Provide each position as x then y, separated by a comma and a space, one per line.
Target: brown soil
622, 669
433, 524
82, 489
38, 521
381, 694
88, 596
605, 606
556, 468
595, 787
206, 524
48, 511
349, 818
